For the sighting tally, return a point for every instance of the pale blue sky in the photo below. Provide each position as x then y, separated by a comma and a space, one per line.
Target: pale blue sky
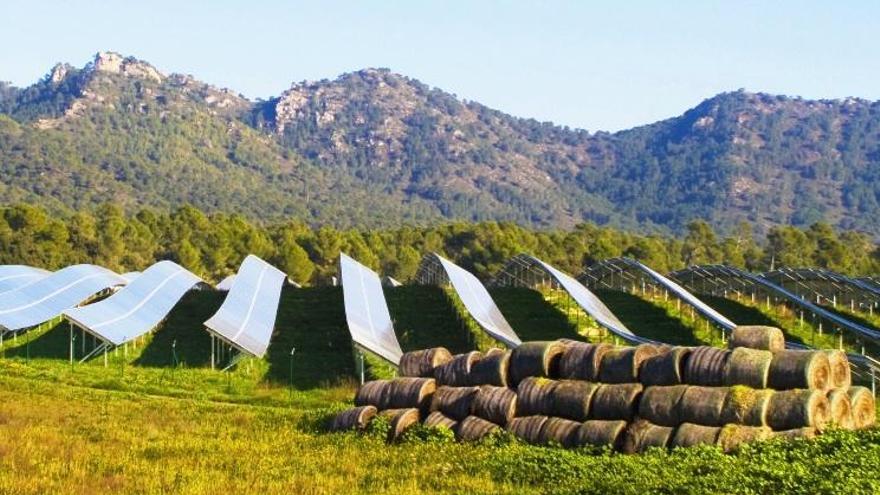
598, 66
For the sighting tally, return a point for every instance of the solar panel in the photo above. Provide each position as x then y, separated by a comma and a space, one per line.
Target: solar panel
16, 276
137, 308
366, 310
247, 317
130, 276
225, 284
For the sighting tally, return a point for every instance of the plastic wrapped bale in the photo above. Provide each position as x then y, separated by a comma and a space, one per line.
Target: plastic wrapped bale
621, 365
806, 433
789, 409
601, 433
356, 418
374, 393
749, 367
472, 429
495, 404
641, 435
666, 368
705, 366
409, 392
437, 419
840, 408
571, 399
660, 405
793, 369
527, 428
454, 402
732, 436
581, 361
864, 413
703, 405
491, 369
841, 376
534, 396
757, 337
746, 406
421, 363
560, 431
616, 401
538, 358
690, 435
457, 371
401, 420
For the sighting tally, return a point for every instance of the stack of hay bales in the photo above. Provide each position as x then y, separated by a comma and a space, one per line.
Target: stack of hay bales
574, 394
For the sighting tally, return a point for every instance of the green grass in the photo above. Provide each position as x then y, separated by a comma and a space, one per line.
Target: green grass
532, 317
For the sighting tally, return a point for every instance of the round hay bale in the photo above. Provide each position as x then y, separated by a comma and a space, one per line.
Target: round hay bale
746, 406
472, 429
457, 371
401, 420
454, 402
641, 435
799, 369
690, 435
616, 401
601, 433
534, 396
540, 358
795, 434
659, 405
571, 399
705, 366
436, 419
621, 365
491, 369
421, 363
840, 408
864, 413
841, 376
757, 337
495, 404
560, 431
732, 436
527, 428
373, 393
749, 367
703, 405
356, 418
407, 392
790, 409
581, 361
666, 368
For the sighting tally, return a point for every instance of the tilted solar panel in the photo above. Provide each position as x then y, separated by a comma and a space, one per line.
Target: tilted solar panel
225, 284
16, 276
366, 310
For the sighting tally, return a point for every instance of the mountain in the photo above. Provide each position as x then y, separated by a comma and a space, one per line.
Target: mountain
376, 148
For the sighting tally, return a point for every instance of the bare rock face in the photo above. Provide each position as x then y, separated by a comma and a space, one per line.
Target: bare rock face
59, 72
114, 63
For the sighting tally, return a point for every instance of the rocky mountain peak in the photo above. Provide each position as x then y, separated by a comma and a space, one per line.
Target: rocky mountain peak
114, 63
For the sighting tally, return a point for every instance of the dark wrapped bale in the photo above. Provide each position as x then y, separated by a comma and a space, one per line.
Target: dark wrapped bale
401, 420
841, 376
601, 433
705, 366
790, 409
571, 399
659, 405
495, 404
641, 435
757, 337
749, 367
409, 392
746, 406
795, 434
356, 418
840, 408
581, 361
491, 369
374, 393
422, 363
560, 431
616, 401
732, 436
540, 358
690, 435
534, 396
864, 413
703, 405
472, 429
666, 368
799, 369
527, 428
437, 419
621, 365
454, 402
457, 371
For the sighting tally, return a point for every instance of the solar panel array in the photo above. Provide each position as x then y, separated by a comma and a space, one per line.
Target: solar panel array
16, 276
366, 310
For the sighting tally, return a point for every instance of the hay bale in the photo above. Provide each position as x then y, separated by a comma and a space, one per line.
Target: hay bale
437, 419
796, 434
539, 358
454, 402
841, 376
534, 396
491, 369
757, 337
666, 368
793, 369
641, 435
571, 399
401, 420
840, 408
373, 393
581, 361
407, 392
560, 431
703, 405
601, 433
421, 363
472, 429
616, 401
527, 428
689, 435
790, 409
705, 366
495, 404
749, 367
621, 365
746, 406
864, 413
356, 418
457, 371
732, 436
659, 405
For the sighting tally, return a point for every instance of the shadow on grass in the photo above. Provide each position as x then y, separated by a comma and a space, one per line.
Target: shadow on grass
184, 328
648, 320
53, 343
531, 316
424, 317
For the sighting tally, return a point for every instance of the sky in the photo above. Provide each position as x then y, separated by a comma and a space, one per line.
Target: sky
591, 65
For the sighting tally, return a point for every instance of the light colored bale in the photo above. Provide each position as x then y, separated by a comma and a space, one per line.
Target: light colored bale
841, 376
527, 428
454, 402
864, 412
421, 363
616, 401
840, 408
537, 359
356, 418
757, 337
746, 406
621, 365
559, 431
534, 396
660, 405
702, 405
407, 392
642, 435
793, 369
806, 433
789, 409
401, 420
581, 361
705, 366
732, 436
437, 419
457, 371
601, 433
749, 367
473, 429
373, 393
571, 399
495, 404
492, 369
666, 368
690, 435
